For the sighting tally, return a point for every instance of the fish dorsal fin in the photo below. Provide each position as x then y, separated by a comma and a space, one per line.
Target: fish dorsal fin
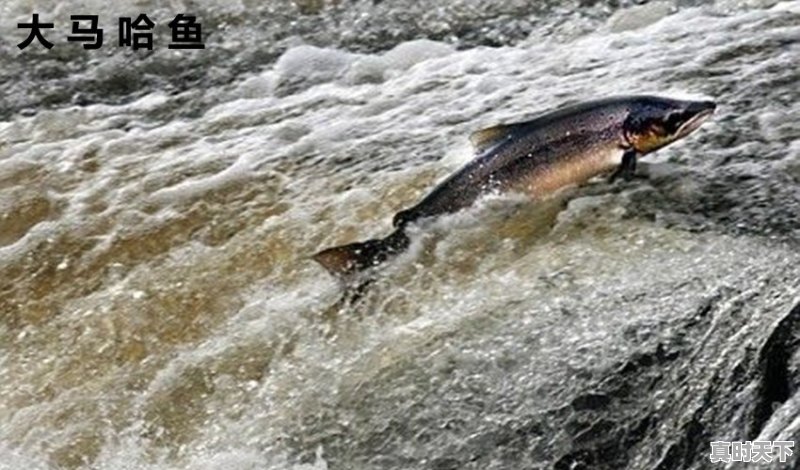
485, 139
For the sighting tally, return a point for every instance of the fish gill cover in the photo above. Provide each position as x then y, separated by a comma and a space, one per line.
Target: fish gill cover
158, 307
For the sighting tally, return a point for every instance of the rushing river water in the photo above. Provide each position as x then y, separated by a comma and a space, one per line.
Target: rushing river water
158, 309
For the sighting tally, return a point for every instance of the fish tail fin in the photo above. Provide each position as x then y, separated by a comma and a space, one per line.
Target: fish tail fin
347, 260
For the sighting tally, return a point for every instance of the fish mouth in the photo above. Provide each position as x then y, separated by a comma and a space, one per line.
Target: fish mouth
704, 111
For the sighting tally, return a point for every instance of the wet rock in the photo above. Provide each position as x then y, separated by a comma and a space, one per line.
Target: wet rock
590, 401
778, 379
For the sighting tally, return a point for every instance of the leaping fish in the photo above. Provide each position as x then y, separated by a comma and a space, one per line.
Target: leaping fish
561, 148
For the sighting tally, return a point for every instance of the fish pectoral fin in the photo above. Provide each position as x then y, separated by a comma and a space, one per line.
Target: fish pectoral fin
626, 169
485, 139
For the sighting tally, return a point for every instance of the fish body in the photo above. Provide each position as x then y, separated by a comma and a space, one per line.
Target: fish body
539, 157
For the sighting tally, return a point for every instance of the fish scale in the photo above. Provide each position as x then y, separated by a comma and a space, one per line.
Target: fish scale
539, 157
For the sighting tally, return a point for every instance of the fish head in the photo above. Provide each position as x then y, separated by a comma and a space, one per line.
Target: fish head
655, 122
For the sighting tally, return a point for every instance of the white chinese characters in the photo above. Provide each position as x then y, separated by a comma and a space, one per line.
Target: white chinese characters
751, 451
